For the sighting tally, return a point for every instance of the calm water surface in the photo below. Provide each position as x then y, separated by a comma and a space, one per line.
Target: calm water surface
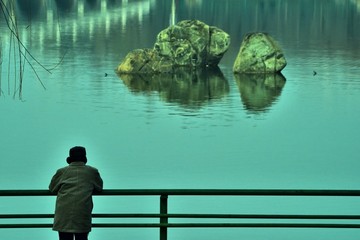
221, 131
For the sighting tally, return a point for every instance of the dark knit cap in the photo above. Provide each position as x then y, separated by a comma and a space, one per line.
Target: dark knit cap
77, 154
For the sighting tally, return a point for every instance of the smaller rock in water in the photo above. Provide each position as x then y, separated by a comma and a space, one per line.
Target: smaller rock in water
259, 53
144, 61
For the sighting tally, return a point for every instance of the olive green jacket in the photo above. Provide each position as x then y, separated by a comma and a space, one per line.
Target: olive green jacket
74, 186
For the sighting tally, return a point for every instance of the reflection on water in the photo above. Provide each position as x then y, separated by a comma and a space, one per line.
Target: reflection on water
53, 31
39, 8
259, 91
184, 87
52, 20
195, 88
30, 8
65, 5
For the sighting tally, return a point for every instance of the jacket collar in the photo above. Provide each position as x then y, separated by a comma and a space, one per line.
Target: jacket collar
77, 163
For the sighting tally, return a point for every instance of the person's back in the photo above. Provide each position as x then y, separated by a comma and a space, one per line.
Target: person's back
74, 186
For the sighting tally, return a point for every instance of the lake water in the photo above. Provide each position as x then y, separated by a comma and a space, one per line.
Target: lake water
229, 134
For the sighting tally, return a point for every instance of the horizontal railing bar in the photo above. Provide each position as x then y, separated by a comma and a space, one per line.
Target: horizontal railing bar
26, 225
201, 216
266, 216
232, 216
196, 192
235, 192
195, 225
25, 193
228, 225
19, 216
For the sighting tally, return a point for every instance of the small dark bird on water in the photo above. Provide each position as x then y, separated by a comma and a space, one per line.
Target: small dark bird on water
314, 73
106, 74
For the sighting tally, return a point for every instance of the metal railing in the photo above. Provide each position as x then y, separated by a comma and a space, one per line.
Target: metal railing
163, 216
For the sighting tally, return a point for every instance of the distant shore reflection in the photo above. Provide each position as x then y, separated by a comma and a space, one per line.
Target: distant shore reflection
184, 87
259, 91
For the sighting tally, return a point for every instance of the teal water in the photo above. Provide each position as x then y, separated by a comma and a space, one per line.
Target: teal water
303, 135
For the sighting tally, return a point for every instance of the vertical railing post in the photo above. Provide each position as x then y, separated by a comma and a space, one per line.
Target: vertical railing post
163, 210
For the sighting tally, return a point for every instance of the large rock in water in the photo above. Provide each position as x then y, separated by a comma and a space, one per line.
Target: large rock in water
259, 53
190, 43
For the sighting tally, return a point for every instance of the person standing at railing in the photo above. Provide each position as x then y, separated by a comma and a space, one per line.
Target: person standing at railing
74, 186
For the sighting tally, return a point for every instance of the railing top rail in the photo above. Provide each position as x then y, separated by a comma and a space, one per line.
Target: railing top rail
197, 192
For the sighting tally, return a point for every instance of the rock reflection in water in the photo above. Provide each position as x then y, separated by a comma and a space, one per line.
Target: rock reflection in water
185, 87
259, 91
